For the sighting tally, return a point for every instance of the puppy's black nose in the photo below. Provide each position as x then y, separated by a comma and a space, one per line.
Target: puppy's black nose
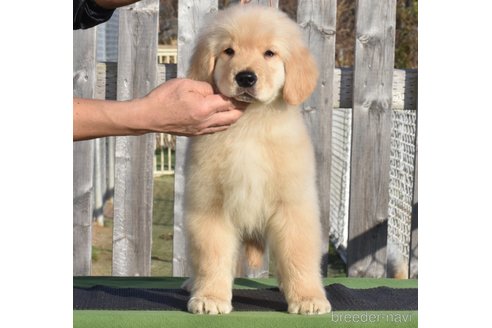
246, 79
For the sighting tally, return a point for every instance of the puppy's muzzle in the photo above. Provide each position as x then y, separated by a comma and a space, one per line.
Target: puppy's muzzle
246, 79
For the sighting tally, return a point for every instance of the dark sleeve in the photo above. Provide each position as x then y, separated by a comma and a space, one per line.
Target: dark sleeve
86, 14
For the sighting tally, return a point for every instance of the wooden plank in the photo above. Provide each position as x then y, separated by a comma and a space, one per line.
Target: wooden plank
318, 21
106, 81
110, 163
104, 172
272, 3
110, 149
83, 161
84, 79
137, 75
106, 74
369, 196
404, 91
190, 19
98, 181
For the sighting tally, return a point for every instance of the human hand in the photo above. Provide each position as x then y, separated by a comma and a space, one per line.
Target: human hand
187, 108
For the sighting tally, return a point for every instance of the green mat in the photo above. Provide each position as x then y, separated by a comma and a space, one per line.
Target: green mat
135, 319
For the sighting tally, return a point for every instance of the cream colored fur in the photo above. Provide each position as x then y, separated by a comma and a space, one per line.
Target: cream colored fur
254, 183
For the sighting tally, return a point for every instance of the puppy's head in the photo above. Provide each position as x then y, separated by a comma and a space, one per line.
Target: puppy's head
254, 54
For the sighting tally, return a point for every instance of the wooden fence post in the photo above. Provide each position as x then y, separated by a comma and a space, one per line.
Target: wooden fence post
190, 19
84, 80
106, 89
137, 75
371, 128
318, 20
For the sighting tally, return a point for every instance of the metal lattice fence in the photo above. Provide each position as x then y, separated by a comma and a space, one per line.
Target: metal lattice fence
340, 178
402, 162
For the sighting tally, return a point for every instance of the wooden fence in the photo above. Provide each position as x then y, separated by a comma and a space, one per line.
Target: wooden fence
362, 122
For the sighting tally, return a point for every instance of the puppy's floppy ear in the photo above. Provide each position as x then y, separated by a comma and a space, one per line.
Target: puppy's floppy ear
301, 75
202, 62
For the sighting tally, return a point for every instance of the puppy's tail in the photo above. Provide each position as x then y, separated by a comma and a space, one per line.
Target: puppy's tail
254, 254
188, 285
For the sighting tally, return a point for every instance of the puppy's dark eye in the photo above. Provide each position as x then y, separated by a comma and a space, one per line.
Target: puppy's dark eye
229, 52
269, 53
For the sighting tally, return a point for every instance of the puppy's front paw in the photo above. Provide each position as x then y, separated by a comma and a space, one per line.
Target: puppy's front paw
310, 306
208, 305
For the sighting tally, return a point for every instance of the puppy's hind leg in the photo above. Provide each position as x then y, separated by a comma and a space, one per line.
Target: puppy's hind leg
295, 238
213, 249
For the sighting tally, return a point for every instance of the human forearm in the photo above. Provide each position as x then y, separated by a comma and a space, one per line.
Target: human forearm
179, 106
100, 118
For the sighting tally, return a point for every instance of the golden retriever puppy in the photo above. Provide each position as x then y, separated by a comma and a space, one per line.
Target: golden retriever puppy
254, 183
